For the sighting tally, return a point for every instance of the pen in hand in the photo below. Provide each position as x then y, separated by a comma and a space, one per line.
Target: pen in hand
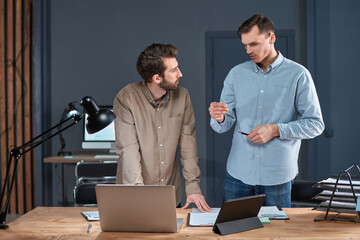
89, 227
243, 133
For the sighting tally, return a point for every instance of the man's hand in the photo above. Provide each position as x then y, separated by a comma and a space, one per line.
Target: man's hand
217, 111
199, 201
263, 133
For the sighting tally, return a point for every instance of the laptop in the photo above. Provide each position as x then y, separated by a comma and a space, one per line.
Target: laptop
137, 208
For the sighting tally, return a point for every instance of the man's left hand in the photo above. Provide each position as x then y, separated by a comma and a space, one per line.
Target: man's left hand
263, 133
199, 201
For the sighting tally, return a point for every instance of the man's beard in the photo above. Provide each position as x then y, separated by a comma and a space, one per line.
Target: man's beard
166, 85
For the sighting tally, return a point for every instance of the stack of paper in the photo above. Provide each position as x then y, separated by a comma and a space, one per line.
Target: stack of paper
343, 198
272, 212
91, 215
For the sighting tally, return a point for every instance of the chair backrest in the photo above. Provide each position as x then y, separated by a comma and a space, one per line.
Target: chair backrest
302, 193
95, 171
84, 194
88, 174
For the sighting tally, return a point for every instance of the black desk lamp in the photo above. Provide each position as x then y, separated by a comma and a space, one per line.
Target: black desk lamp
97, 120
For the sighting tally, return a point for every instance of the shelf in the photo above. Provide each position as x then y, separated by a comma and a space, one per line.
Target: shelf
340, 195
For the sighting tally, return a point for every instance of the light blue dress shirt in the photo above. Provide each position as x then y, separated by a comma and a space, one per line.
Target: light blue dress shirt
285, 95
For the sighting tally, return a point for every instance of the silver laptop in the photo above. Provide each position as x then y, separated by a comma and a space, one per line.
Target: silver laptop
137, 208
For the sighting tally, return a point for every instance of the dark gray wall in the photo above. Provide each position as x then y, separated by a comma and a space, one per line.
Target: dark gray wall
95, 44
336, 26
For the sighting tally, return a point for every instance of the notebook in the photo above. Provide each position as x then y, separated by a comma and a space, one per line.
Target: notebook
137, 208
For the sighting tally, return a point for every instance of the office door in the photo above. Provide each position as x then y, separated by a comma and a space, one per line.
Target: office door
223, 51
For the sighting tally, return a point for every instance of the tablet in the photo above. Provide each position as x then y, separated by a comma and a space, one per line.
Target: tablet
237, 215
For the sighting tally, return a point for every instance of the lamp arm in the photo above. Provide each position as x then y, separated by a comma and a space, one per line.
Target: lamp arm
76, 118
17, 153
62, 142
63, 116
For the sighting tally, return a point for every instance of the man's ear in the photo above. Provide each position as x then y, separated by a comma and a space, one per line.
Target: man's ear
156, 78
272, 38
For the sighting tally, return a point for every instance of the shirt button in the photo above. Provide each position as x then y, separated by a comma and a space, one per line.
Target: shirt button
262, 91
158, 109
159, 127
162, 162
264, 76
259, 106
160, 144
256, 155
162, 179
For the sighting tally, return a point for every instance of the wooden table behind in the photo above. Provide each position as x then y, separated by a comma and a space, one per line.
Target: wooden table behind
77, 157
67, 223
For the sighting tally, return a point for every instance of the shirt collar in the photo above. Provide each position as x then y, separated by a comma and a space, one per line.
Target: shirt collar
148, 96
272, 66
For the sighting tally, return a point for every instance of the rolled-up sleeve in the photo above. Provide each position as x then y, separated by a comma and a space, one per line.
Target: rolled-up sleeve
310, 122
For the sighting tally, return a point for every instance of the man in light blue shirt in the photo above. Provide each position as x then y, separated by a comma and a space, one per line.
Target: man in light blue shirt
274, 101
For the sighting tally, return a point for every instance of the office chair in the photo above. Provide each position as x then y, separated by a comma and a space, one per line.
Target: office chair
87, 175
302, 193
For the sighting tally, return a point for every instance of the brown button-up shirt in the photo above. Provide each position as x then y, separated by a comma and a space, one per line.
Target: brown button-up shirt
147, 136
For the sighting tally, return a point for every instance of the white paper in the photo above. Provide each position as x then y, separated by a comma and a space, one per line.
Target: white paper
91, 215
345, 182
214, 210
272, 212
198, 218
203, 219
179, 222
342, 184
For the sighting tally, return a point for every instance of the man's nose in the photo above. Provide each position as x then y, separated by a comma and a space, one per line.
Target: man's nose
179, 74
249, 50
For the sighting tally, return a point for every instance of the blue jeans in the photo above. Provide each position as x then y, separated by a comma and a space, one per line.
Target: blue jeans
277, 195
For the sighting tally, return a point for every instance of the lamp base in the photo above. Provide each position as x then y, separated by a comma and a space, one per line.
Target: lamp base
4, 226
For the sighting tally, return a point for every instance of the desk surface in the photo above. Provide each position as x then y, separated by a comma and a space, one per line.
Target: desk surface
67, 223
78, 157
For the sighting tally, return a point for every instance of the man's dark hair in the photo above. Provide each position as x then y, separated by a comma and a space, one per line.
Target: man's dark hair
150, 60
264, 24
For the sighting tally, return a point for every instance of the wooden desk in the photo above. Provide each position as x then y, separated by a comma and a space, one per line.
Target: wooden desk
73, 159
67, 223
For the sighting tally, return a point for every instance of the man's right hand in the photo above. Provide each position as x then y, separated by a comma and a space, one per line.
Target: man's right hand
217, 111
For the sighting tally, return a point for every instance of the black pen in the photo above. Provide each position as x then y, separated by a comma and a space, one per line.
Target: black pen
89, 227
243, 133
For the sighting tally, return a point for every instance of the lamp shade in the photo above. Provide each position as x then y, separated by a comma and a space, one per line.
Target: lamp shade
98, 118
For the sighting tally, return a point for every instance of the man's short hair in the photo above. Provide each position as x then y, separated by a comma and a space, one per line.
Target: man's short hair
150, 60
264, 24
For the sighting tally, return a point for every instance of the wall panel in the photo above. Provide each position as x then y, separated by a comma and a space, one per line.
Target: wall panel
16, 93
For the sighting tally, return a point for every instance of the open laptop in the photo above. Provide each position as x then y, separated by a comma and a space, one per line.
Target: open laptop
137, 208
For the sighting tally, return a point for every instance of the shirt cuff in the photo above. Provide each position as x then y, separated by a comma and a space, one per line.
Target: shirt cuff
216, 125
282, 130
192, 188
